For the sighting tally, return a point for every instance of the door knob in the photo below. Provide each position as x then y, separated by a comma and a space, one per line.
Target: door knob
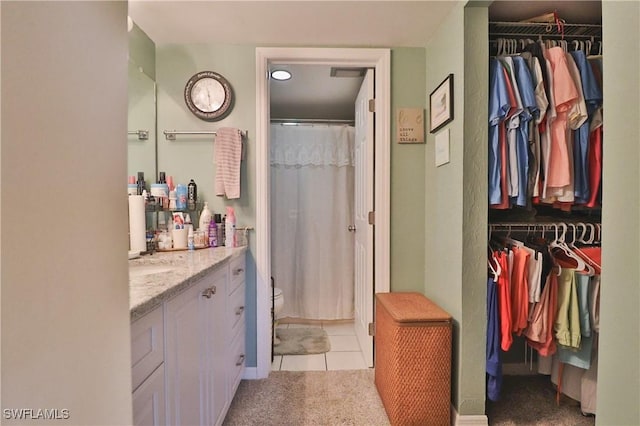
352, 228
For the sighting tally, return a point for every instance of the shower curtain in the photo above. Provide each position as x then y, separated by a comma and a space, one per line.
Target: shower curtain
312, 178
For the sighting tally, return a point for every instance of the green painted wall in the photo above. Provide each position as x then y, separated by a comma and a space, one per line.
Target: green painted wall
619, 347
192, 156
456, 216
444, 187
407, 174
142, 51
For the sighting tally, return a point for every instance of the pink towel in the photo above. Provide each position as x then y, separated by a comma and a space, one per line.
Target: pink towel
227, 152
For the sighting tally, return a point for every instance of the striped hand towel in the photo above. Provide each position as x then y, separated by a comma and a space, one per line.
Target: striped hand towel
227, 152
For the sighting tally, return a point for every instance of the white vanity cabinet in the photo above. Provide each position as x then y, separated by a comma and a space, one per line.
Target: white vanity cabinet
204, 346
235, 328
147, 360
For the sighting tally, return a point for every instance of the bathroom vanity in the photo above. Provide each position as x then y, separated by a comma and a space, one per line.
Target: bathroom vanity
187, 335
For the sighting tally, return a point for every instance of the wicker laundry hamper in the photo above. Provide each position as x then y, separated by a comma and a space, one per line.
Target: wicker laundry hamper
413, 359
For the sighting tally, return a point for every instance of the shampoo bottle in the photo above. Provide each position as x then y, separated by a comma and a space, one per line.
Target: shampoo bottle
230, 228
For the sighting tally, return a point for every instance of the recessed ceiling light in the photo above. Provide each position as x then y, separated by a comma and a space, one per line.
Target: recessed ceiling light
281, 75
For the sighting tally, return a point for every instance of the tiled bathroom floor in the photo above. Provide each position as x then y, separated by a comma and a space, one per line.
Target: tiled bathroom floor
345, 353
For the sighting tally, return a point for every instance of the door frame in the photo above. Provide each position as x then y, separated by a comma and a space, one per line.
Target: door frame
380, 60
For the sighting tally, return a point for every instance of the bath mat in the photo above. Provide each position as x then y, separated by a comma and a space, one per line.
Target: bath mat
302, 341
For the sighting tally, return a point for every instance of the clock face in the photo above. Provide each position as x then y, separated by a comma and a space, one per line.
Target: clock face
208, 96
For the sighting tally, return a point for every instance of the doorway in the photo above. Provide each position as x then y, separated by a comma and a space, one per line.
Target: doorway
378, 59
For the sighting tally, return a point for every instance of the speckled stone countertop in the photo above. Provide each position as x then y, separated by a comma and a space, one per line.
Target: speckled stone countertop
176, 270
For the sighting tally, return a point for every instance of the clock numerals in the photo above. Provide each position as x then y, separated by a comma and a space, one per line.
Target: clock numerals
208, 96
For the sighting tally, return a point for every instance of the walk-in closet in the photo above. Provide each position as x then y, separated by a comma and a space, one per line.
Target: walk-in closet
545, 137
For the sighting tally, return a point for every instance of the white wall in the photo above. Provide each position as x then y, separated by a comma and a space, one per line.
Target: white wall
619, 347
65, 308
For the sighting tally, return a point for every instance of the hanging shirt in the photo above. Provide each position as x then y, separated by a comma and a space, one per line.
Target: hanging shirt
564, 94
545, 137
567, 324
499, 107
529, 113
520, 290
493, 364
534, 126
513, 123
504, 301
540, 332
581, 357
593, 99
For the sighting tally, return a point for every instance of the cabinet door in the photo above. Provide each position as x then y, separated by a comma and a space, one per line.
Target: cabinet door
217, 346
148, 400
184, 360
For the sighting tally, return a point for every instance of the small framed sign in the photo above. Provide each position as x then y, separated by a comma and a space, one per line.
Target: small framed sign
441, 105
410, 125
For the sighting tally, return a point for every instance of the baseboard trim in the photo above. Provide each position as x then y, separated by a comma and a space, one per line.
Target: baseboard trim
250, 373
474, 420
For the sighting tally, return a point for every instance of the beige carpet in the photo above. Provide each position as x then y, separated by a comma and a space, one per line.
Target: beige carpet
301, 398
302, 341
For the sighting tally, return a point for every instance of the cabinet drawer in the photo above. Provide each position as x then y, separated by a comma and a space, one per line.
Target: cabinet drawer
235, 312
147, 343
237, 268
237, 359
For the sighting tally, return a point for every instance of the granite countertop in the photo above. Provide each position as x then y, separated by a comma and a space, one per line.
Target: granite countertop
171, 272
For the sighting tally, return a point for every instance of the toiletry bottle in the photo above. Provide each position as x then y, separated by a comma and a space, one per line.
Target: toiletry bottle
205, 219
213, 234
223, 227
141, 183
190, 243
230, 228
181, 194
187, 222
192, 195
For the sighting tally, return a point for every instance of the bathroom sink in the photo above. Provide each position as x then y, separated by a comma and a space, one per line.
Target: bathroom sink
141, 270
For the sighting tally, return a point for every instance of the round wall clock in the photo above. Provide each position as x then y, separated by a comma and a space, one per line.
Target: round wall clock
208, 96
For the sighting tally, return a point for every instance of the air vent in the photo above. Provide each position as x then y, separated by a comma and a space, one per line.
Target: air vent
348, 72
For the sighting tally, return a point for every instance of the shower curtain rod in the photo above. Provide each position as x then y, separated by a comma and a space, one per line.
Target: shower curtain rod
294, 121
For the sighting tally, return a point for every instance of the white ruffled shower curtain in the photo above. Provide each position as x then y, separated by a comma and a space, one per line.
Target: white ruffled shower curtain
312, 178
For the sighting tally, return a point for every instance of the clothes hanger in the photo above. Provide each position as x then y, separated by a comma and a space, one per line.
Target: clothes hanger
565, 254
586, 259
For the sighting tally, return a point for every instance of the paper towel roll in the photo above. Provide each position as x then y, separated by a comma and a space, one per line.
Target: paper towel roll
137, 226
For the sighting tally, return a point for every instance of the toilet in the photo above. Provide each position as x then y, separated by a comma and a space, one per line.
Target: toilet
278, 303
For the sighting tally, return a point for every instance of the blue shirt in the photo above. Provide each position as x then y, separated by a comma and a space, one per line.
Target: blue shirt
593, 99
529, 112
498, 109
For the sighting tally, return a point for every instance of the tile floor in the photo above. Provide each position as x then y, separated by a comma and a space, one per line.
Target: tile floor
345, 353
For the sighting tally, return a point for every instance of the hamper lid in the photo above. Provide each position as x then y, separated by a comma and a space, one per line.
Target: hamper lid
411, 307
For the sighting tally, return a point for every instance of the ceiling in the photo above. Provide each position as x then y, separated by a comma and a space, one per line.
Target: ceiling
354, 23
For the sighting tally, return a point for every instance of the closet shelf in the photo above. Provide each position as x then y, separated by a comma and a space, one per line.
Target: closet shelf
543, 29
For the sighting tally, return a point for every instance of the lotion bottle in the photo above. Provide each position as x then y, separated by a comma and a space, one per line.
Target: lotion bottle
205, 220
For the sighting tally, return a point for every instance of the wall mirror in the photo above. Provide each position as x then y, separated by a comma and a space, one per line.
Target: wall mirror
141, 137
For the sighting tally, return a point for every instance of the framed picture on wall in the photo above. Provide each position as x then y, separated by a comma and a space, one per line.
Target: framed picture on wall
441, 105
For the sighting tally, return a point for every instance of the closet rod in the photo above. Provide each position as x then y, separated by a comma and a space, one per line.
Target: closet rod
171, 134
539, 224
294, 121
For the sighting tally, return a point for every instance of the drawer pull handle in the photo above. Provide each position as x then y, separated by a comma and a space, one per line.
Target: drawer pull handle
209, 292
239, 310
240, 360
238, 271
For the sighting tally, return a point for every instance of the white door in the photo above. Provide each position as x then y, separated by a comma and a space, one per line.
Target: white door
363, 194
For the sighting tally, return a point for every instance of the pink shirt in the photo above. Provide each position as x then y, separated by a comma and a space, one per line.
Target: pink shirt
565, 95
